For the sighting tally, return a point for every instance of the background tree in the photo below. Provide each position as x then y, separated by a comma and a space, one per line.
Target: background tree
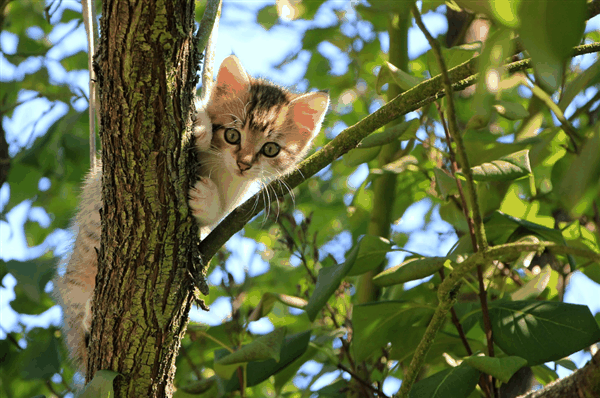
512, 167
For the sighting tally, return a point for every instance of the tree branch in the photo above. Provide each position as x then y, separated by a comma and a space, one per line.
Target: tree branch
584, 382
463, 75
448, 288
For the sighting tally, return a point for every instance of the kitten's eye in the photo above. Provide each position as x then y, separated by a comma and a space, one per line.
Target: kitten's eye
270, 149
232, 136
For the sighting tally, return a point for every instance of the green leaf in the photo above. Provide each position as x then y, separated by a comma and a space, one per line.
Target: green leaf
397, 166
390, 73
77, 61
101, 385
390, 134
264, 347
579, 185
511, 110
542, 331
33, 275
592, 271
69, 15
534, 287
30, 47
445, 184
409, 270
501, 368
267, 16
457, 382
328, 280
356, 157
293, 347
41, 359
478, 6
498, 46
267, 301
503, 228
479, 121
453, 56
548, 46
335, 390
376, 324
387, 6
510, 167
283, 376
371, 253
568, 364
543, 374
506, 12
586, 78
23, 304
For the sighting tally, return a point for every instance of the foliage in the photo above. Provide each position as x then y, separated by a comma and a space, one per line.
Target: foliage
532, 140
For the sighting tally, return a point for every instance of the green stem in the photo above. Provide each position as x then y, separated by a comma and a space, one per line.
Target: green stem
448, 288
475, 221
213, 8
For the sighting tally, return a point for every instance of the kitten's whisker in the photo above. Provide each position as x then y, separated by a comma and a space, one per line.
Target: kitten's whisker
279, 178
246, 110
268, 204
236, 120
278, 204
290, 190
255, 204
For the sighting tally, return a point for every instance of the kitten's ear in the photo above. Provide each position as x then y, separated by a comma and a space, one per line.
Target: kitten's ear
308, 111
232, 79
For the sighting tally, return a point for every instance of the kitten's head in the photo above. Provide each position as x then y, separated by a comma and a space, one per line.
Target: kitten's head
260, 129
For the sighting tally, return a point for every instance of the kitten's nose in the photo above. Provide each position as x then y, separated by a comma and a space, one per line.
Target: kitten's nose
244, 166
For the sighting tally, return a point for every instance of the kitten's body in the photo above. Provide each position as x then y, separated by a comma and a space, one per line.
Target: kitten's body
250, 130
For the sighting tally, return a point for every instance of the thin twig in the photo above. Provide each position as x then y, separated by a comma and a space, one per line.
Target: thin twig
457, 324
89, 21
596, 217
360, 380
461, 193
585, 108
454, 131
191, 363
52, 390
213, 8
209, 58
479, 241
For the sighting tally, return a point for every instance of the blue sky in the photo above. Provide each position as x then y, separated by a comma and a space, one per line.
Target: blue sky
258, 51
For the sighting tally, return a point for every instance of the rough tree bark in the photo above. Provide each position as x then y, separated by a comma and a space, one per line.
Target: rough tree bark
146, 65
582, 383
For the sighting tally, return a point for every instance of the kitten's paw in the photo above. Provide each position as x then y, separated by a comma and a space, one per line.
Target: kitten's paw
204, 201
202, 129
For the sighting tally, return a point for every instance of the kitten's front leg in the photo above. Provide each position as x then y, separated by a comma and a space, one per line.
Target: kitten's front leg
205, 202
202, 128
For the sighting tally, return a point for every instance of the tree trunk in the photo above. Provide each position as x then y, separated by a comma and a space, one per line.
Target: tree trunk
147, 64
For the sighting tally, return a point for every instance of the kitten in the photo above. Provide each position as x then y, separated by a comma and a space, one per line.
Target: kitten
259, 132
250, 130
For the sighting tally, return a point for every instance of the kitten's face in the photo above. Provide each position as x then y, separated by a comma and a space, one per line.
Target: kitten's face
260, 130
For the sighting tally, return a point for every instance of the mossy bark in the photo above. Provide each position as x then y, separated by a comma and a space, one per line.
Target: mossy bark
146, 66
